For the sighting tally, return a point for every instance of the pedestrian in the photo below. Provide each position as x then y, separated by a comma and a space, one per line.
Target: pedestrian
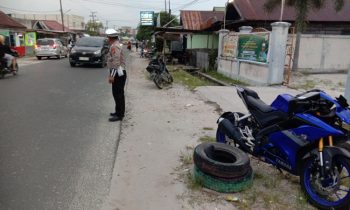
117, 76
129, 45
137, 45
142, 49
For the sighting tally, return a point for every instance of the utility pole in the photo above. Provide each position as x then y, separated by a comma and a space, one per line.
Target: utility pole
165, 6
62, 15
169, 11
93, 19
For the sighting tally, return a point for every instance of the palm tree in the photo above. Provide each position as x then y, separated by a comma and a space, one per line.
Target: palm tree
302, 8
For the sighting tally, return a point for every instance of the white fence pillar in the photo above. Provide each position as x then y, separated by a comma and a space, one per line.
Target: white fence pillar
278, 43
222, 33
245, 29
347, 87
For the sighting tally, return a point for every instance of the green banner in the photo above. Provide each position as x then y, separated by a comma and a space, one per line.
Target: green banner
253, 47
30, 38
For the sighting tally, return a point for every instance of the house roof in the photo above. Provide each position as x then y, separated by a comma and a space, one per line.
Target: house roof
200, 20
50, 25
8, 22
253, 10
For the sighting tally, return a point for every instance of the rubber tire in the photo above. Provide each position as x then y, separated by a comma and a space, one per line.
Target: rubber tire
59, 56
72, 64
209, 157
343, 206
38, 57
222, 185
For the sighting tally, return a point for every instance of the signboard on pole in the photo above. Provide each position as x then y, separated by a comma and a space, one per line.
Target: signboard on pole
253, 47
230, 45
30, 38
146, 18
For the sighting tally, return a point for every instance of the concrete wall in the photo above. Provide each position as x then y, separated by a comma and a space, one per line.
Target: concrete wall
251, 72
200, 41
324, 53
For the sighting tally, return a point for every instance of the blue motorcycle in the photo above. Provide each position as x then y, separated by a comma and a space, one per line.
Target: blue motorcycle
306, 135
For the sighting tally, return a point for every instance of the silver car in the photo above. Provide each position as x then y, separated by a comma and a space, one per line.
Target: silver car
50, 47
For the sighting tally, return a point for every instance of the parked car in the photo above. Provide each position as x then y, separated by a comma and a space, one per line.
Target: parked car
50, 47
89, 50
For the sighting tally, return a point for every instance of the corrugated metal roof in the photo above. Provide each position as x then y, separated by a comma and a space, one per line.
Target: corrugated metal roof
8, 22
200, 20
254, 10
54, 25
50, 25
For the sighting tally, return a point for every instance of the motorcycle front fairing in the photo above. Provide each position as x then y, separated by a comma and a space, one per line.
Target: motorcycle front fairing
290, 141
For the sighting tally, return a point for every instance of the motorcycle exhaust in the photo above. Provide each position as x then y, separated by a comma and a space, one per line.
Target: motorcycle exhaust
233, 133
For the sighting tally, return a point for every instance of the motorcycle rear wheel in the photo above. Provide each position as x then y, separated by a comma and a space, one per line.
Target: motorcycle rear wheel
332, 192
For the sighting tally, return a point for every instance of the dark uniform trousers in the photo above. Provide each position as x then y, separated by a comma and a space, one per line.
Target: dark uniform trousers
118, 94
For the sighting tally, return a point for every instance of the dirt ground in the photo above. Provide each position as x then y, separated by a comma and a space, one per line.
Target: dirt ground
153, 164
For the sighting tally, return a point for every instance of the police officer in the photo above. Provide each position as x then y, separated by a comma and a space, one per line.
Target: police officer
117, 74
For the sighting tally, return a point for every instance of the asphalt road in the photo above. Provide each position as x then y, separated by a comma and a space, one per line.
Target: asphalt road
57, 148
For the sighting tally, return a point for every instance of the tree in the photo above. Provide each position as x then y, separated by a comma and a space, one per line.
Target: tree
302, 8
93, 28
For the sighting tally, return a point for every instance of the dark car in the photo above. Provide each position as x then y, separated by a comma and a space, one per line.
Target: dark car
89, 50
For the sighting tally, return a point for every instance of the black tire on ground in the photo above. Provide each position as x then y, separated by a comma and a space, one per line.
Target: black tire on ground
72, 64
223, 185
221, 160
59, 56
38, 57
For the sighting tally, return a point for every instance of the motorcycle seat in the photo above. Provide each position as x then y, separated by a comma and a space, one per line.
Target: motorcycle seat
259, 104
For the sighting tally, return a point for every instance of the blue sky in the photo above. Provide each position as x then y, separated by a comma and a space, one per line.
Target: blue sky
117, 12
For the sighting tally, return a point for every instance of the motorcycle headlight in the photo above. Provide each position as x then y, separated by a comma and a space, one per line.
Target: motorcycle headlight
97, 52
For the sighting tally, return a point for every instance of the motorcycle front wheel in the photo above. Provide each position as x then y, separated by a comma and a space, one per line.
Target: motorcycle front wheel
158, 81
331, 192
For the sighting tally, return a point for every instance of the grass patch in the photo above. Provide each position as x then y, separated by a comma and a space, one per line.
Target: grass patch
186, 79
309, 84
192, 183
207, 139
208, 129
223, 78
186, 158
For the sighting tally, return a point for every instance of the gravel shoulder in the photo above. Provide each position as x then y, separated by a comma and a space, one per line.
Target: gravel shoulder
161, 129
159, 125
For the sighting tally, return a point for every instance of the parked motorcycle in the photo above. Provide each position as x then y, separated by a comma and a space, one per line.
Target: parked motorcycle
306, 135
159, 72
4, 69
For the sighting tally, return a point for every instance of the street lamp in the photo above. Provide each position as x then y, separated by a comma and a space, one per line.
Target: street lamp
228, 1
